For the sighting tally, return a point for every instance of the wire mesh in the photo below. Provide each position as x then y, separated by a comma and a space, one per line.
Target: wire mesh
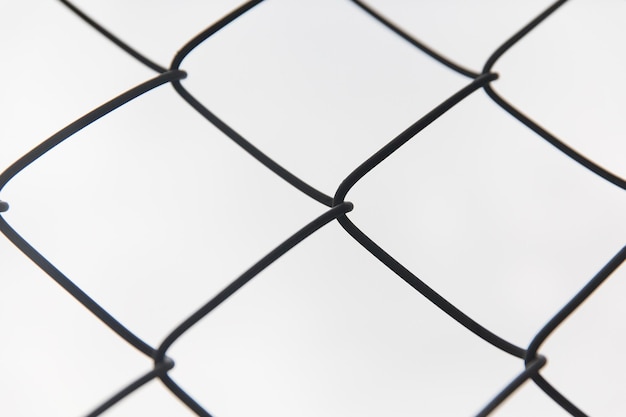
336, 208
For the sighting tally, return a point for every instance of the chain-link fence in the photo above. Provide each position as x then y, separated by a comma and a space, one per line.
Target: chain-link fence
339, 207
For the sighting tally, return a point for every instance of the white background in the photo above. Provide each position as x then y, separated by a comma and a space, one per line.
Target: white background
151, 210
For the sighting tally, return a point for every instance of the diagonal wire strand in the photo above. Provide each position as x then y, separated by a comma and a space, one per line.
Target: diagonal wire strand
159, 369
255, 152
231, 289
117, 41
413, 41
253, 271
531, 124
37, 257
559, 318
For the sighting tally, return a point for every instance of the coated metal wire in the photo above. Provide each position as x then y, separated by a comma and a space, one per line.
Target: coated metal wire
337, 209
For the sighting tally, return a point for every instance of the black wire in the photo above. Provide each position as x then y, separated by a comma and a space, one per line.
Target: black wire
182, 395
387, 259
266, 261
550, 138
557, 397
556, 321
338, 210
214, 28
428, 292
575, 302
159, 369
520, 34
226, 129
534, 126
74, 290
40, 150
233, 287
532, 369
253, 150
413, 41
407, 134
86, 120
124, 46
